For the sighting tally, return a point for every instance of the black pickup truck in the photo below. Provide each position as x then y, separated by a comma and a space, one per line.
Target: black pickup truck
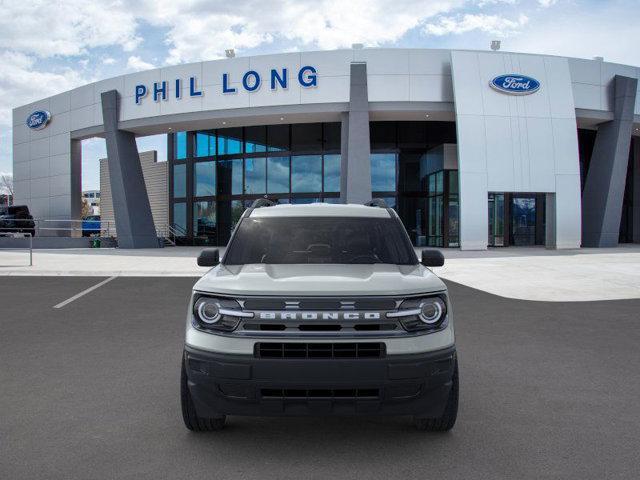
17, 219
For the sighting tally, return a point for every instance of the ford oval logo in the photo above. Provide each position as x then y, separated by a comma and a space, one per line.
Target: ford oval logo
515, 84
38, 119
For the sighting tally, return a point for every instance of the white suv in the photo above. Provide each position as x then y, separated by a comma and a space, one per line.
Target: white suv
319, 310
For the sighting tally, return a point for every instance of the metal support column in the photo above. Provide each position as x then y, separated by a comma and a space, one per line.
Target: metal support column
131, 208
604, 187
355, 178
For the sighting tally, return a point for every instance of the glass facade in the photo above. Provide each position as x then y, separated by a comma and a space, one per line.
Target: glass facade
217, 174
408, 171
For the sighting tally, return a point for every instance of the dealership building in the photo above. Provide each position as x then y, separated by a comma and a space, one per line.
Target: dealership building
471, 148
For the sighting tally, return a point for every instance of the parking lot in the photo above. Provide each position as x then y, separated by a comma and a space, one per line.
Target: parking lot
91, 390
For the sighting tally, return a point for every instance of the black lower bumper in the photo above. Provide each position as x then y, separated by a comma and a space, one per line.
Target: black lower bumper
396, 385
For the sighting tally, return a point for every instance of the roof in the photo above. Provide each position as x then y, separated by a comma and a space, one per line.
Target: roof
320, 210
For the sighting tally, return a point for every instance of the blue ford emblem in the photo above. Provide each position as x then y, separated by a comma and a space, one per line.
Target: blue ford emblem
515, 84
38, 119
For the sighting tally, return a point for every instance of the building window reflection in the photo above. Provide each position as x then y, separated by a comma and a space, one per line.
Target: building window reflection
255, 176
204, 181
205, 145
306, 173
383, 172
225, 170
332, 173
180, 146
230, 141
204, 219
278, 172
180, 180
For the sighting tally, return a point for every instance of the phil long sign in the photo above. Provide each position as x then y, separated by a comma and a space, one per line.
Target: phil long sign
250, 81
515, 84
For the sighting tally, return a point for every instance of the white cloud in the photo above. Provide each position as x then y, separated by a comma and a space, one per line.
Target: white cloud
325, 24
108, 61
491, 24
21, 83
135, 63
587, 37
547, 3
71, 27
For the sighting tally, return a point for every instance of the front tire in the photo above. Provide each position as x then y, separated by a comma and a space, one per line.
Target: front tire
447, 420
191, 419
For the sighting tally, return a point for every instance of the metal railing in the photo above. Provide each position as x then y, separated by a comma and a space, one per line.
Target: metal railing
45, 227
171, 233
78, 228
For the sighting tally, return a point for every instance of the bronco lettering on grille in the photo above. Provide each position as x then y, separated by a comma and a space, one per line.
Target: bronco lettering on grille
319, 315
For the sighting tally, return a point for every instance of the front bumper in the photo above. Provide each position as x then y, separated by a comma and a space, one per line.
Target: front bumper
223, 384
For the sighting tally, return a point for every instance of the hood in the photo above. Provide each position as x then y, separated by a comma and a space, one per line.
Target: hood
321, 280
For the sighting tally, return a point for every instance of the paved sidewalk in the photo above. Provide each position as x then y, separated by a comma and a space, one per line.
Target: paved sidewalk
521, 273
160, 262
549, 275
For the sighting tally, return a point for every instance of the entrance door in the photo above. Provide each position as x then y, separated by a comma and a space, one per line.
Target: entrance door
496, 220
523, 220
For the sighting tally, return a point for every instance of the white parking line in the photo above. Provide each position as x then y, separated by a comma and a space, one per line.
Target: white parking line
84, 292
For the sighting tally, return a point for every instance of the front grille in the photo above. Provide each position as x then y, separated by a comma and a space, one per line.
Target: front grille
346, 327
320, 350
324, 393
313, 304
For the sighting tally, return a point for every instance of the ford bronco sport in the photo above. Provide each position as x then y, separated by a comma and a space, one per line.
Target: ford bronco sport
319, 310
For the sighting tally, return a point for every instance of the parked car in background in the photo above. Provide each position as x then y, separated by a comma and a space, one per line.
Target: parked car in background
91, 225
17, 219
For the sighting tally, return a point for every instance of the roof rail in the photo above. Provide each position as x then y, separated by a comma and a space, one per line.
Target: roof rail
376, 202
263, 202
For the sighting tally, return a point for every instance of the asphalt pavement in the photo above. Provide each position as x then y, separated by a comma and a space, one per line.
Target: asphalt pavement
90, 390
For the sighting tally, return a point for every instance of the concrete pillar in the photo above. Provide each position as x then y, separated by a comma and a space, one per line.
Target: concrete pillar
131, 208
550, 227
605, 183
636, 190
355, 178
76, 184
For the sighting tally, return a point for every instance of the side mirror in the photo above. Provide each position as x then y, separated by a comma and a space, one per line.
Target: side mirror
209, 258
432, 258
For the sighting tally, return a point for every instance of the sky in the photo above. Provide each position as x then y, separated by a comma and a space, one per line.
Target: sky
48, 47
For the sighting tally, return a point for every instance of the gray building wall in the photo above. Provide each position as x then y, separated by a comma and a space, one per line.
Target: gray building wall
402, 84
156, 180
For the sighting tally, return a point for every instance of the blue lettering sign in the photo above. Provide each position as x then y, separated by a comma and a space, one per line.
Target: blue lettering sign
225, 84
251, 86
141, 92
157, 90
192, 88
251, 82
310, 80
275, 77
515, 84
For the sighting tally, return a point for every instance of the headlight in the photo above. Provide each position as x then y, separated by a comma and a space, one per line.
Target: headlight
208, 310
210, 313
431, 310
427, 313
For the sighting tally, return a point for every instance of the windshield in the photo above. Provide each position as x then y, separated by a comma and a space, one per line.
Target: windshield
314, 240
